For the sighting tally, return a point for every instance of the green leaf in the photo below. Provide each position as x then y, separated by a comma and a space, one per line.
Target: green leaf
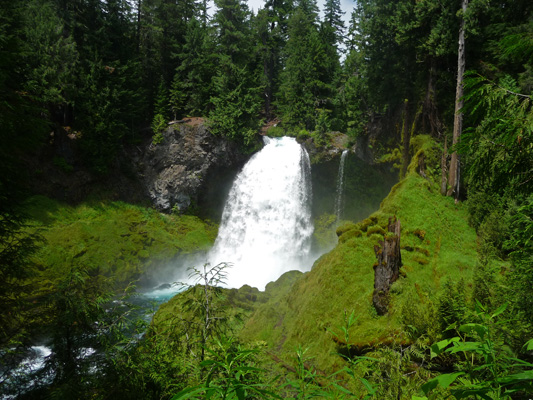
438, 348
419, 398
466, 346
514, 378
481, 330
188, 393
529, 345
443, 381
368, 386
240, 393
500, 309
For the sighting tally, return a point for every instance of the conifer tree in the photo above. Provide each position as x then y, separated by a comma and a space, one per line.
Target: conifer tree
192, 87
333, 21
236, 101
305, 86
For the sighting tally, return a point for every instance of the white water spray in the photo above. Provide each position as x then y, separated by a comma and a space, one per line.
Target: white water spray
339, 200
266, 224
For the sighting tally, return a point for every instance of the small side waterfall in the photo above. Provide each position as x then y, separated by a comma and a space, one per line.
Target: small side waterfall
266, 224
339, 199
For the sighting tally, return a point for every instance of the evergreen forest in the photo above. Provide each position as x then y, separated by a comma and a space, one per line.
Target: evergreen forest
437, 91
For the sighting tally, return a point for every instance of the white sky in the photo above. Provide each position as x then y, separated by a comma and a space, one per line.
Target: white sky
346, 5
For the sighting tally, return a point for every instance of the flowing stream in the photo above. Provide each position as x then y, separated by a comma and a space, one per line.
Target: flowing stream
266, 225
339, 198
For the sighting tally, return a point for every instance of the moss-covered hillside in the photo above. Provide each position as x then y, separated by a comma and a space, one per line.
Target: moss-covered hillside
115, 239
437, 245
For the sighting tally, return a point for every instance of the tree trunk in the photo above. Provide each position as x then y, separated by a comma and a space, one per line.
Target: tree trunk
453, 178
430, 119
387, 268
406, 137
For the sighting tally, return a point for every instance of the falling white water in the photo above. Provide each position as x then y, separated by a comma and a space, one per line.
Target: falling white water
339, 201
266, 224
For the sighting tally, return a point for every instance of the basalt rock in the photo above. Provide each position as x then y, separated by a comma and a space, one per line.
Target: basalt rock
175, 171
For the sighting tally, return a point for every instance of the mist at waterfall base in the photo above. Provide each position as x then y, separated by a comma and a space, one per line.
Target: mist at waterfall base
266, 225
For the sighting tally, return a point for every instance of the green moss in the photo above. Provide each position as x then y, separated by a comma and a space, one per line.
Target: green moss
375, 229
113, 238
442, 245
324, 233
347, 226
354, 233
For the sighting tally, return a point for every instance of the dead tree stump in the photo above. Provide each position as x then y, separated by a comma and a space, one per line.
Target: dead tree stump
387, 268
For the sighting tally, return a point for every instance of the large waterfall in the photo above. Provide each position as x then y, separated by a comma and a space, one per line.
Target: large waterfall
266, 224
339, 198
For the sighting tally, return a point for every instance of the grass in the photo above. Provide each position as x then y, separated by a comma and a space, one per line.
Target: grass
112, 238
437, 245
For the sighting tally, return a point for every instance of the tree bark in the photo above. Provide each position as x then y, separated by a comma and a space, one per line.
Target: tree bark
453, 178
387, 268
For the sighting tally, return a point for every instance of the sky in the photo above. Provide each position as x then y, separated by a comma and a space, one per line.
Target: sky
346, 5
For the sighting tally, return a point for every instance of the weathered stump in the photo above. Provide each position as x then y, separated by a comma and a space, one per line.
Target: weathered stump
387, 268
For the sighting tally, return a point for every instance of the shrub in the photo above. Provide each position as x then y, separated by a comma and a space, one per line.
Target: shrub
158, 126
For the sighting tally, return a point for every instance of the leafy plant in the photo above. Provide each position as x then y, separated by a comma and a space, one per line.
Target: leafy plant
158, 126
352, 359
231, 372
488, 369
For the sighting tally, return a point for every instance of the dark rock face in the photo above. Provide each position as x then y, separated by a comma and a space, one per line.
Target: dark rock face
174, 172
387, 269
189, 167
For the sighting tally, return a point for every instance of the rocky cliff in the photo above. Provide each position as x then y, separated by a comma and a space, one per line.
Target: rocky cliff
178, 170
188, 167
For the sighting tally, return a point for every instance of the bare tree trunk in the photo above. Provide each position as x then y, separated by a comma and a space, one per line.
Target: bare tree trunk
453, 178
387, 268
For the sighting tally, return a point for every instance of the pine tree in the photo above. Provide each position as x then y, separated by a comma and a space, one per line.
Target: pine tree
333, 21
310, 68
236, 100
192, 87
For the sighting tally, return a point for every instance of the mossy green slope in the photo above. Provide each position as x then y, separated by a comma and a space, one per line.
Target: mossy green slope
112, 238
437, 244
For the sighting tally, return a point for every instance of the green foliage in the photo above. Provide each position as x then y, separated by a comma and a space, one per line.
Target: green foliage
451, 307
308, 73
231, 372
161, 102
158, 126
22, 128
50, 56
520, 246
498, 147
488, 370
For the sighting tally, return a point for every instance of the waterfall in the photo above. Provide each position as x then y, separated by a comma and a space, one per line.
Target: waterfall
266, 223
339, 201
